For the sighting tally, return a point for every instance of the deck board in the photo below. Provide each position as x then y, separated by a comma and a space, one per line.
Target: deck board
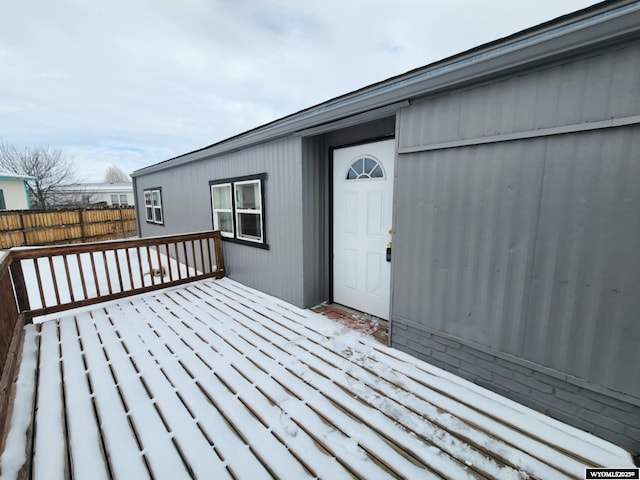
50, 435
86, 450
216, 380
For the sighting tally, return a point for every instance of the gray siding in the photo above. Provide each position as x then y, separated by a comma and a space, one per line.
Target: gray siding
528, 247
597, 88
187, 207
315, 178
464, 238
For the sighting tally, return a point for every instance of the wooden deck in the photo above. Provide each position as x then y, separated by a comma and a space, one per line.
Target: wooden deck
214, 380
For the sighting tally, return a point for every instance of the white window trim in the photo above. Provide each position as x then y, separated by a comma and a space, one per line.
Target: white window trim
154, 208
216, 225
364, 175
236, 237
251, 211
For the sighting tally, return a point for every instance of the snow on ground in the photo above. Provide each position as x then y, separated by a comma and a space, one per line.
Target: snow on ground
216, 380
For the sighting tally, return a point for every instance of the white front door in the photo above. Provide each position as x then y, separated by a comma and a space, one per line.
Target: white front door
362, 209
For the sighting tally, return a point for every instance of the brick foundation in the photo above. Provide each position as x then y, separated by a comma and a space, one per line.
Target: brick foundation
605, 416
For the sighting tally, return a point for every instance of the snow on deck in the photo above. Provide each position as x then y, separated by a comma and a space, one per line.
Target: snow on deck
215, 380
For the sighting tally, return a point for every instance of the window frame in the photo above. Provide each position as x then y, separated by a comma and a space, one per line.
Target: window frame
153, 218
215, 210
235, 236
3, 200
365, 174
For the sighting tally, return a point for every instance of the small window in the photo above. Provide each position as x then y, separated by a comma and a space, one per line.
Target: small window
364, 167
114, 200
3, 203
249, 210
222, 209
124, 201
153, 206
238, 209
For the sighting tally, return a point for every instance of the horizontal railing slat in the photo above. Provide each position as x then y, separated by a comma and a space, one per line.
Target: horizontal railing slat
35, 252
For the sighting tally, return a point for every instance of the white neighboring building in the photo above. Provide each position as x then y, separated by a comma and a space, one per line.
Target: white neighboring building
14, 193
116, 194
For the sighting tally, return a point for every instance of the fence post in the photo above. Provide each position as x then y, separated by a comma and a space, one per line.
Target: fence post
82, 233
121, 222
19, 285
24, 234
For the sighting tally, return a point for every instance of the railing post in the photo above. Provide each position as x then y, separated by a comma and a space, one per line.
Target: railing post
19, 285
217, 247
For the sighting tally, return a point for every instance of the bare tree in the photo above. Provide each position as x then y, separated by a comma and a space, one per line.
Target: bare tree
116, 175
48, 165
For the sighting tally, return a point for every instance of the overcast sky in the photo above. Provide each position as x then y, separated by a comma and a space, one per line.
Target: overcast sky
135, 82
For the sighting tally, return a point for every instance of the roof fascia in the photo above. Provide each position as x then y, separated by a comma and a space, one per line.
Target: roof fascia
535, 48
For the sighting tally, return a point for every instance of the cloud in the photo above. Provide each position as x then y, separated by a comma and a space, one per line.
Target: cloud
163, 77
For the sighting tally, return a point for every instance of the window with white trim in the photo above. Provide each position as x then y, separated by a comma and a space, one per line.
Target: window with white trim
153, 205
365, 167
119, 200
222, 205
237, 206
3, 203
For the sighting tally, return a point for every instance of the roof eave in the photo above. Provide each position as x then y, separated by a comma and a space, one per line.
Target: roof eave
561, 38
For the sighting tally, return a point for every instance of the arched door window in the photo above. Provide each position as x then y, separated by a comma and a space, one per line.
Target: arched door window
363, 168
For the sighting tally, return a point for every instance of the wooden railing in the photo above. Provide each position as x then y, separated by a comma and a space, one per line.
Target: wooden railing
40, 281
11, 336
52, 279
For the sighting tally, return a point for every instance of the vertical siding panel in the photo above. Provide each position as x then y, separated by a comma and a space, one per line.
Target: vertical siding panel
472, 198
525, 189
581, 319
623, 88
471, 220
598, 88
618, 201
568, 108
525, 103
506, 107
598, 73
547, 90
187, 207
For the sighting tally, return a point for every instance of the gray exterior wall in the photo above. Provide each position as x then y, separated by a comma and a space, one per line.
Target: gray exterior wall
516, 225
523, 242
186, 202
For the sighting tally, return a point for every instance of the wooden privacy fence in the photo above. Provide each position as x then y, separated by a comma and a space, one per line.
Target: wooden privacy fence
66, 225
